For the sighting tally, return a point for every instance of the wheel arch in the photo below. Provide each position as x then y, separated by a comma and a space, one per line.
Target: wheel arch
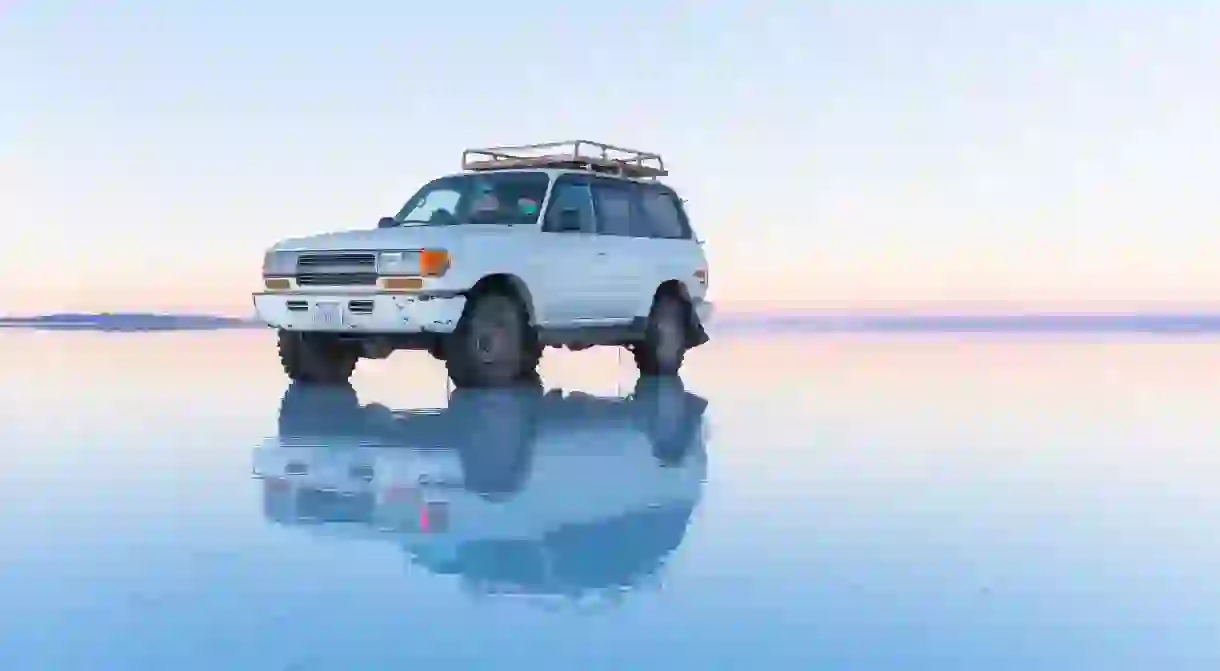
509, 284
675, 288
695, 333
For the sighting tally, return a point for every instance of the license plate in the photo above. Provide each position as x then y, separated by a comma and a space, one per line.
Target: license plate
328, 314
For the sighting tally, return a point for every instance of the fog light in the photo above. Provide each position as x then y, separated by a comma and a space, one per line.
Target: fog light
402, 283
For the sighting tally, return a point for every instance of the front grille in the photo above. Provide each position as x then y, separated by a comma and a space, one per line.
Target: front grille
336, 269
312, 261
336, 279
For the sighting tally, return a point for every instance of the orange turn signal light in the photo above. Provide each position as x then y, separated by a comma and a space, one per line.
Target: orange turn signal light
433, 262
277, 283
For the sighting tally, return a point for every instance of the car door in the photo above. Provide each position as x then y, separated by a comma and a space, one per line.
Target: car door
568, 261
623, 264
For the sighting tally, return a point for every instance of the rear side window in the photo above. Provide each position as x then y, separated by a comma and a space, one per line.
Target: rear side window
662, 213
615, 203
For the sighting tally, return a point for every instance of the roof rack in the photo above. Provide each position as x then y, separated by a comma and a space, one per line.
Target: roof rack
570, 154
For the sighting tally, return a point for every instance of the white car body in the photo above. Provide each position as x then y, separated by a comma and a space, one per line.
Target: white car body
570, 279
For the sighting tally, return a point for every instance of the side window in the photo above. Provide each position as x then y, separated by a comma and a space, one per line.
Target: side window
571, 208
664, 214
614, 202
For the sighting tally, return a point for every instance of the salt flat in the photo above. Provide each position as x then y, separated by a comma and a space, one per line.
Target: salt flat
804, 501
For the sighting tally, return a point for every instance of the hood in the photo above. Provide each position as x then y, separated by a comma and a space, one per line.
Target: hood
412, 237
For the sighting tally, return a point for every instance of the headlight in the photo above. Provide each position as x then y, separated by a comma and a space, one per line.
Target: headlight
423, 262
279, 263
398, 263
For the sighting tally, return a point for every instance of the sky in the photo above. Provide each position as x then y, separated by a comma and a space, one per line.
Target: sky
833, 154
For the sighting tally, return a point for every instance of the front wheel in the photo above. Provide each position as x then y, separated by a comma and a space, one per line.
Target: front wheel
318, 358
490, 347
664, 346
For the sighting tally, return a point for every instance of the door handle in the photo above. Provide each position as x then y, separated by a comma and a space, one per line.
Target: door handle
601, 253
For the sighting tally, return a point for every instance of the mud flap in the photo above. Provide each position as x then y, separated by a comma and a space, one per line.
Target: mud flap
696, 334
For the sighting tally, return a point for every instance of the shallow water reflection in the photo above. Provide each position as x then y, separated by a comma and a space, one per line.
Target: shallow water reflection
557, 499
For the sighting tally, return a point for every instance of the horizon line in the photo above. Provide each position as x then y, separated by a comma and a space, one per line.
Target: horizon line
745, 310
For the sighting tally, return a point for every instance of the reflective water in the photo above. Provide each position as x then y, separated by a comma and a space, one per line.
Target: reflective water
169, 501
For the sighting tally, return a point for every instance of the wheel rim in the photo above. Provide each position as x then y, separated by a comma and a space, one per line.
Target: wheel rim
489, 344
492, 336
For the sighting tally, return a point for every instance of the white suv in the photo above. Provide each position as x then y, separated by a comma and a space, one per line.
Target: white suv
572, 244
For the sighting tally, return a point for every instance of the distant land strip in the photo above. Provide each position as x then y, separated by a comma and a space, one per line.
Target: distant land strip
961, 323
817, 322
128, 321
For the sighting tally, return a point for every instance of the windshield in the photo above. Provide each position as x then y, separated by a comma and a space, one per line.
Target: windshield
505, 198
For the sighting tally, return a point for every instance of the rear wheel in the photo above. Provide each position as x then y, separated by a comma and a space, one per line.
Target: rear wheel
664, 346
318, 358
491, 346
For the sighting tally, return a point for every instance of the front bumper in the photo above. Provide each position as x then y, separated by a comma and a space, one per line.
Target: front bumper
360, 313
326, 469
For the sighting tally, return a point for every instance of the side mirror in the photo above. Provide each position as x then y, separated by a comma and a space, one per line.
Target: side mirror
387, 222
569, 220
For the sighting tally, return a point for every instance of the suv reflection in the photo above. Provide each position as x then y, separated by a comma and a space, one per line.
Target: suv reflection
516, 491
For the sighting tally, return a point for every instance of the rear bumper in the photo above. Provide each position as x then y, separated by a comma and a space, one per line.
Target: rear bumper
704, 310
360, 313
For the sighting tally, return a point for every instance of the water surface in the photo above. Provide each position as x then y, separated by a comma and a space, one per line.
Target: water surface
846, 502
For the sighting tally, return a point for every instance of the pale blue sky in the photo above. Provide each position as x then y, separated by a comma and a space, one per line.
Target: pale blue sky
832, 152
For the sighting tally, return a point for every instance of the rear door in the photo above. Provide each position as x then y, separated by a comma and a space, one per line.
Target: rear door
624, 254
648, 241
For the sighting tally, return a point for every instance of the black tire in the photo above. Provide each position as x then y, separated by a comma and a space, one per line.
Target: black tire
316, 358
490, 346
664, 346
